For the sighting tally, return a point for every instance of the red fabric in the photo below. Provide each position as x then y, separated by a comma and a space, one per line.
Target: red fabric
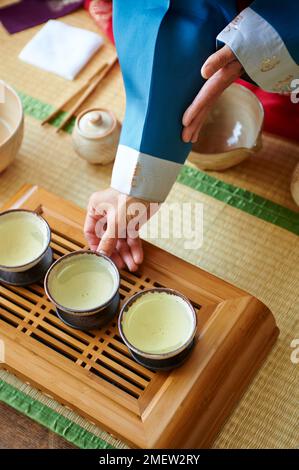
101, 12
281, 115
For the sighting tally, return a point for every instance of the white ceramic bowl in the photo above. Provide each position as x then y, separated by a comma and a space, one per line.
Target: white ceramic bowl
11, 125
231, 132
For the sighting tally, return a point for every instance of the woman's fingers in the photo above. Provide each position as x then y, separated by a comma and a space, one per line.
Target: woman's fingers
190, 133
108, 241
135, 245
222, 60
126, 255
94, 217
89, 229
118, 260
216, 61
212, 89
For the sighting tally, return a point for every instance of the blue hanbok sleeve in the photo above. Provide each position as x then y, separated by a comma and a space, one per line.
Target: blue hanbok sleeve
265, 38
161, 46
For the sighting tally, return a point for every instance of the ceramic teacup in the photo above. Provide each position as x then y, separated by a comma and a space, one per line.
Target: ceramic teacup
158, 326
11, 125
231, 132
24, 239
84, 287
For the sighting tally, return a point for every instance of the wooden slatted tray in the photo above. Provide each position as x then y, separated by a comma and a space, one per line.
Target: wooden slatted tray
94, 373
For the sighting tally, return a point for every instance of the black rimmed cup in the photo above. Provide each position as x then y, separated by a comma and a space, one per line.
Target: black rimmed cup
25, 253
158, 326
84, 287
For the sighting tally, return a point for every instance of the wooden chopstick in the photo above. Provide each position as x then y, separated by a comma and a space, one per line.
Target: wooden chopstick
93, 84
83, 87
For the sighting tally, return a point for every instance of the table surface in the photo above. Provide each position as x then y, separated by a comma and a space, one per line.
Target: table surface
20, 432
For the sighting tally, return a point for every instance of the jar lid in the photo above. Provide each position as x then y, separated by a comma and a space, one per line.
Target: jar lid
96, 123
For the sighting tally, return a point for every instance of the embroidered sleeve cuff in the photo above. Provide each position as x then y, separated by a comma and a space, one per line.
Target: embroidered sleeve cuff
141, 175
261, 51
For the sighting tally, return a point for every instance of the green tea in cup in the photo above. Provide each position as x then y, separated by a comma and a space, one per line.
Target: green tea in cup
83, 286
24, 238
82, 282
158, 326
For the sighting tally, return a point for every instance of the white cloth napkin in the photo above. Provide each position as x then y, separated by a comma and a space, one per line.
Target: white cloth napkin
61, 49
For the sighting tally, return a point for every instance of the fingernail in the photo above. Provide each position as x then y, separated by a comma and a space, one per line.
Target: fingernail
205, 71
185, 138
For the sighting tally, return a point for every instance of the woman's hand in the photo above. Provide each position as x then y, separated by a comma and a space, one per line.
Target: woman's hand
112, 225
221, 69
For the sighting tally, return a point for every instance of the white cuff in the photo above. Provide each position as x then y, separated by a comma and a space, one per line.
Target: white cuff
261, 51
141, 175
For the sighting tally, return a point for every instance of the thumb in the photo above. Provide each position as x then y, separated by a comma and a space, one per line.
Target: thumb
216, 61
108, 241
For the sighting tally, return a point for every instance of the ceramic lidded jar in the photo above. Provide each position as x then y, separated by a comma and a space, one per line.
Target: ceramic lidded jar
96, 135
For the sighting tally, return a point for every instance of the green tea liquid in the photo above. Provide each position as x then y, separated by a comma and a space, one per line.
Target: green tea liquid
82, 282
158, 323
22, 239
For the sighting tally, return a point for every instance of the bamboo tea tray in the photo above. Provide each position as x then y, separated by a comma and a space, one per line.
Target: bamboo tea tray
94, 374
